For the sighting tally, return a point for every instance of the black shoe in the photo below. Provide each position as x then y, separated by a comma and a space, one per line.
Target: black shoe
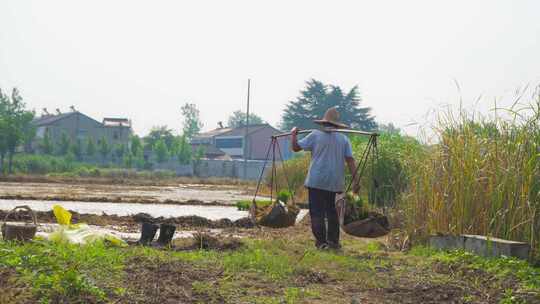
166, 233
148, 232
322, 246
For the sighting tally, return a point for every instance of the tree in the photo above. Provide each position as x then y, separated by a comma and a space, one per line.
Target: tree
159, 133
104, 148
238, 119
65, 143
119, 152
46, 144
317, 97
161, 151
192, 122
77, 149
3, 139
184, 152
90, 147
16, 127
136, 145
389, 128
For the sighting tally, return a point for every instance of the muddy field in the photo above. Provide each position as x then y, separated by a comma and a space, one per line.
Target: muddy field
222, 257
98, 192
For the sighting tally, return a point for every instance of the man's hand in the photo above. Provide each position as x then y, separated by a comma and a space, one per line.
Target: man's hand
294, 140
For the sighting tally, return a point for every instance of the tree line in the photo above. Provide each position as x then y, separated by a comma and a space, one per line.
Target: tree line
15, 127
17, 130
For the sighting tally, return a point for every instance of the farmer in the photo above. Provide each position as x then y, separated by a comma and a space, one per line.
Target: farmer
329, 153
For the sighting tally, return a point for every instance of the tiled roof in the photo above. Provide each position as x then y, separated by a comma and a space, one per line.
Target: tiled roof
49, 119
213, 133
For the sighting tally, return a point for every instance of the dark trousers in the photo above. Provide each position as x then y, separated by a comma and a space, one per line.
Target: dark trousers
322, 208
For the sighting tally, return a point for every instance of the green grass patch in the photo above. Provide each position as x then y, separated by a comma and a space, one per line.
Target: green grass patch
60, 273
500, 267
262, 258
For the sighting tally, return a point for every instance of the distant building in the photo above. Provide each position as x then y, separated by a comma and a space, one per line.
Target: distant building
233, 142
78, 126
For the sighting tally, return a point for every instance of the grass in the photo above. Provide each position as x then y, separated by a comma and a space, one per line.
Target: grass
60, 273
265, 270
480, 177
528, 275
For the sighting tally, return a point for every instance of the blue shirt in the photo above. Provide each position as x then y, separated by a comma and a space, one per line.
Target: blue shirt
328, 153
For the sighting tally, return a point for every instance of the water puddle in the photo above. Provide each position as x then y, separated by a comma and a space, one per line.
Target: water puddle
126, 209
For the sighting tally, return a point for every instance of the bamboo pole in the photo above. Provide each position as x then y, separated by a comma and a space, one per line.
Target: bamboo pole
347, 131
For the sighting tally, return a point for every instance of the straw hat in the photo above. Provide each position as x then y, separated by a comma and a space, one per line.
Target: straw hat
331, 117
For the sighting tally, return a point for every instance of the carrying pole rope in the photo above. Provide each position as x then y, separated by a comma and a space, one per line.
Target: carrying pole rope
375, 181
285, 171
262, 172
362, 163
358, 172
273, 171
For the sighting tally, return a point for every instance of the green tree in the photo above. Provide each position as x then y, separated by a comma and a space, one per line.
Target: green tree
104, 149
119, 152
388, 128
192, 122
238, 119
64, 144
16, 127
90, 147
184, 152
136, 145
3, 139
159, 133
317, 97
77, 149
197, 157
162, 153
128, 160
46, 144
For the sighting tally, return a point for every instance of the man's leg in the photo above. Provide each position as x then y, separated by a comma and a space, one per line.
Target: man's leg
317, 201
333, 221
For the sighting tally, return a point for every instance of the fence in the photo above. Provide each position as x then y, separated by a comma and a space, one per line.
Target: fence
215, 168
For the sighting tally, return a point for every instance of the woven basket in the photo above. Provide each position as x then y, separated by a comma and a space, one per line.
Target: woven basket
273, 216
373, 226
24, 232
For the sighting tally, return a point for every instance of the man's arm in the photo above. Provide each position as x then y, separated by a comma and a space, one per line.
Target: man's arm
351, 163
294, 140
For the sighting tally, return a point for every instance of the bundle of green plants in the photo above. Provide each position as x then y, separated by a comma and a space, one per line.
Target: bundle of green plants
284, 196
290, 174
355, 209
244, 205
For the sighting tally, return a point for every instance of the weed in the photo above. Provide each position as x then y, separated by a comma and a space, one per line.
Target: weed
63, 272
501, 267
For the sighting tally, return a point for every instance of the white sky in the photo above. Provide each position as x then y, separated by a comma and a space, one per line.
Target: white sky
144, 59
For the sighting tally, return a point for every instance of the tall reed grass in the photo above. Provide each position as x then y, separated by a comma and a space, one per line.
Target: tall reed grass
481, 177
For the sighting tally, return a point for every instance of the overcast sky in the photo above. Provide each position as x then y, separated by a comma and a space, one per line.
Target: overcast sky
144, 59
